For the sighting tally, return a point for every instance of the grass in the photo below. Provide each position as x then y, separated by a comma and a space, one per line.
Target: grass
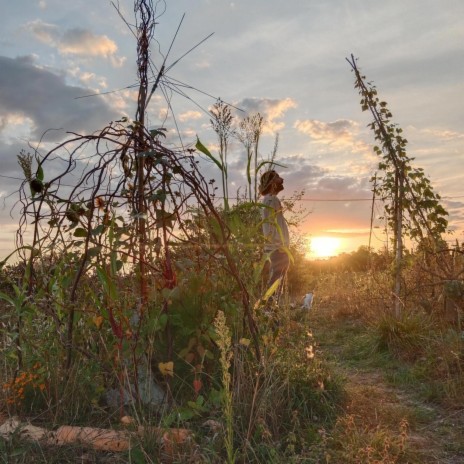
403, 379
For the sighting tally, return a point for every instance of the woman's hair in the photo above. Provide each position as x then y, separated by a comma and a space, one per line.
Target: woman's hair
265, 184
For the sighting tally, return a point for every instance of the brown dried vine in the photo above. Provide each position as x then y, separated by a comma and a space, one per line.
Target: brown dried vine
124, 183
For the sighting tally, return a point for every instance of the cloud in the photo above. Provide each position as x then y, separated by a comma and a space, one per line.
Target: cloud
190, 115
337, 183
83, 42
47, 101
271, 109
339, 132
203, 64
76, 42
444, 134
47, 33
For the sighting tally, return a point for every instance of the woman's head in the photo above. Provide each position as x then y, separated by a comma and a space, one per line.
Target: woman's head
270, 183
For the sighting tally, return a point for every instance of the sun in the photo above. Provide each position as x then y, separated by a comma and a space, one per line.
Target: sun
324, 247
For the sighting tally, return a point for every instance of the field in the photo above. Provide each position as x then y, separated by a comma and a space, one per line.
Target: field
343, 382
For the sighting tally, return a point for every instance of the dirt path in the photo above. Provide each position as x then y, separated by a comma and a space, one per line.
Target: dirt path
412, 431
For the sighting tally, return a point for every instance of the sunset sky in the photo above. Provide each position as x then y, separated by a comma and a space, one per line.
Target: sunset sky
283, 59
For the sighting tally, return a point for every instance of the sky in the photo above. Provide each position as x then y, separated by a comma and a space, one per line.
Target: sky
286, 60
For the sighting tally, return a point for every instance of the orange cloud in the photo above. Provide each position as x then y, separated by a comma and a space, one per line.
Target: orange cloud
340, 132
271, 109
77, 42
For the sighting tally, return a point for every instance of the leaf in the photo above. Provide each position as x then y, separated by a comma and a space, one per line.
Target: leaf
269, 292
244, 341
136, 455
197, 386
40, 173
166, 368
34, 252
263, 163
164, 219
272, 289
163, 320
4, 296
80, 232
171, 294
200, 147
98, 230
92, 252
98, 321
217, 230
158, 132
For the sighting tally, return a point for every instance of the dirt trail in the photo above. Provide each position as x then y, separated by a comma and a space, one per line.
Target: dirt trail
433, 434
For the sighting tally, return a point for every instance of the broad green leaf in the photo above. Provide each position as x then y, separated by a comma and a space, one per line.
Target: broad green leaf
80, 232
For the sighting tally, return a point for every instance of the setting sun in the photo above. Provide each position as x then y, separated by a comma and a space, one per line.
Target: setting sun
324, 247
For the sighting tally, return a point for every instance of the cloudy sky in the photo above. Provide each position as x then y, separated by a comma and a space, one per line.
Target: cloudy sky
283, 59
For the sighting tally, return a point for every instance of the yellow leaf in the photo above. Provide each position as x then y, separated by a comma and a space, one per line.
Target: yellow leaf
269, 292
98, 321
167, 368
244, 342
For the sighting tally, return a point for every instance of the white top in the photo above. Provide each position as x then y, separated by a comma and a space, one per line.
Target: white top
275, 227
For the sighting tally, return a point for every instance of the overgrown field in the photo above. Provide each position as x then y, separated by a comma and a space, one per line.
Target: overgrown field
321, 391
136, 324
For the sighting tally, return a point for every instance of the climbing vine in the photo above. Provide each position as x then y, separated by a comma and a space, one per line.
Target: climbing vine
400, 184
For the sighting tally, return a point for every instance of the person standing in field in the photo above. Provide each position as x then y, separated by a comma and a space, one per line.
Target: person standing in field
275, 229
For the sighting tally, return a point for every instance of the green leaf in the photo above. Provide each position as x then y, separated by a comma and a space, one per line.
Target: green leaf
263, 163
200, 147
136, 455
171, 294
7, 298
40, 173
80, 232
158, 132
97, 231
216, 229
92, 252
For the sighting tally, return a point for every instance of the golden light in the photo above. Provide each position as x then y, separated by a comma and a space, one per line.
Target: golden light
324, 247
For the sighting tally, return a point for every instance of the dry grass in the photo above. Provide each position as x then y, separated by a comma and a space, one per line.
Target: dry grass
393, 368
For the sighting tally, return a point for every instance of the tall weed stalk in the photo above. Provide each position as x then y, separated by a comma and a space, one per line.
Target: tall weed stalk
225, 347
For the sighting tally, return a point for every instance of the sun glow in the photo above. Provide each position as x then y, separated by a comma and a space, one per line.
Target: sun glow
324, 247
